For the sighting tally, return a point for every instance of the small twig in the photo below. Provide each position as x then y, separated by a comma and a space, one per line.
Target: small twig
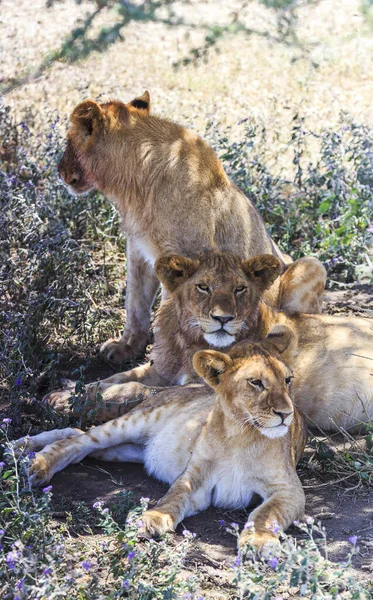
311, 487
360, 356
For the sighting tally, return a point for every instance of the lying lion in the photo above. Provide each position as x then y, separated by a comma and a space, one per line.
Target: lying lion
173, 197
215, 301
214, 448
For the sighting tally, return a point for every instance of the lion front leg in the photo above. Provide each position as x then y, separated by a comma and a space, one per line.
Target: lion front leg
277, 512
302, 286
187, 495
141, 288
109, 398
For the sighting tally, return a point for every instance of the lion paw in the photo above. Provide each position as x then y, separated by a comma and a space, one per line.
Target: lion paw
40, 471
265, 543
156, 523
60, 399
126, 348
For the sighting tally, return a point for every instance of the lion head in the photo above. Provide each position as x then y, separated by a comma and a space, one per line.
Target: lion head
96, 138
217, 295
253, 382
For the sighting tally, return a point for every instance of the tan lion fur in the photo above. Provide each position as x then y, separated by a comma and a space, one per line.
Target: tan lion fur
333, 368
178, 328
173, 197
218, 448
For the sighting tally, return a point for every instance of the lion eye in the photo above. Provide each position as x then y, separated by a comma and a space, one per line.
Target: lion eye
257, 383
203, 288
288, 380
240, 290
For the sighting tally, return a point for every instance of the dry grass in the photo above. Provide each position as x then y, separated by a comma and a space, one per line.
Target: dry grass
249, 77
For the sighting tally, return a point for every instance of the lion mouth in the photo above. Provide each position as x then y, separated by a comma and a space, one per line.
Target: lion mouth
78, 190
274, 432
219, 338
219, 331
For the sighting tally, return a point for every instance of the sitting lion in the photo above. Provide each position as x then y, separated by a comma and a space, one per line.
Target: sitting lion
216, 300
213, 448
173, 197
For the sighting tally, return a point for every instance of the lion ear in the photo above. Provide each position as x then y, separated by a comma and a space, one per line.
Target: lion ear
174, 270
88, 115
142, 102
210, 365
263, 270
284, 340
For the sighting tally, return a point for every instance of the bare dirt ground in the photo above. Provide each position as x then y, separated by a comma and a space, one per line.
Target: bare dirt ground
249, 77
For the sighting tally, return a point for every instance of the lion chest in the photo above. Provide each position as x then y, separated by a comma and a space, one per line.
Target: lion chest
235, 480
170, 448
146, 248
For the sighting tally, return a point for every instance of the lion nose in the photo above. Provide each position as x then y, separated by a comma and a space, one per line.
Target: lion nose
283, 414
72, 180
223, 319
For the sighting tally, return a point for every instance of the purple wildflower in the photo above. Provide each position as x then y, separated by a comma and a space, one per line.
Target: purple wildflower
97, 504
186, 533
249, 525
47, 489
11, 558
86, 564
237, 561
2, 531
126, 584
47, 571
273, 562
20, 583
353, 540
234, 525
222, 522
18, 381
31, 455
7, 421
275, 527
2, 465
131, 555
